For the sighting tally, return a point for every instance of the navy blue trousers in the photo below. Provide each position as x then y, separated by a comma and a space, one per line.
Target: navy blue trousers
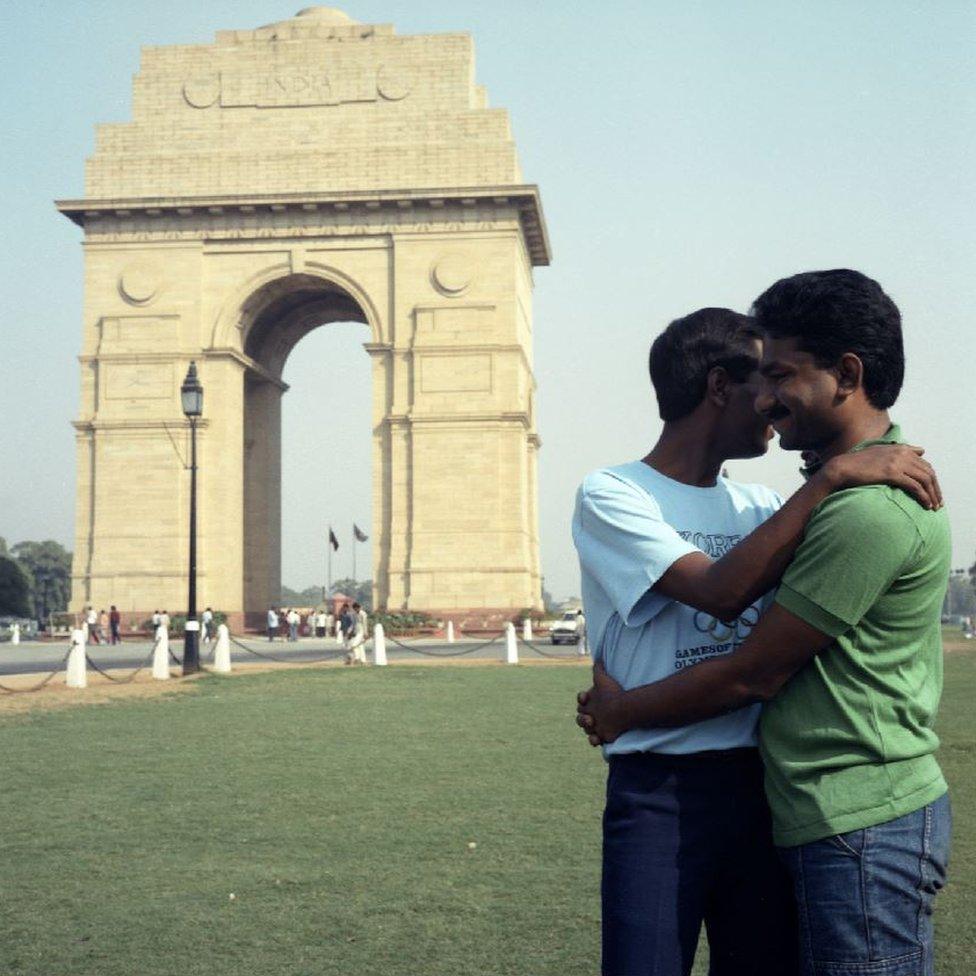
687, 842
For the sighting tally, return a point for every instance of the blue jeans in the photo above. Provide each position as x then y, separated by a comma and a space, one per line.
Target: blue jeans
865, 898
687, 841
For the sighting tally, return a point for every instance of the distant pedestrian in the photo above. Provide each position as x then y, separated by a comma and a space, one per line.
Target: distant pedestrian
347, 628
115, 623
581, 649
164, 621
320, 623
294, 619
272, 623
357, 634
206, 619
310, 623
156, 618
91, 625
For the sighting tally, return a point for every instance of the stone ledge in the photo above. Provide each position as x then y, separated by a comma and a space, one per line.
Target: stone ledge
524, 197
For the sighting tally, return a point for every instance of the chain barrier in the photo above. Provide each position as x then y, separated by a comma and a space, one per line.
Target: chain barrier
131, 677
553, 654
466, 650
40, 684
329, 655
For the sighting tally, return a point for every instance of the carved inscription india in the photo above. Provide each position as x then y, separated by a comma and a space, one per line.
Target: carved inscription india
297, 88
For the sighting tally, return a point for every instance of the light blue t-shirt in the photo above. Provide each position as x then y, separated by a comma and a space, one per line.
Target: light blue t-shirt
631, 523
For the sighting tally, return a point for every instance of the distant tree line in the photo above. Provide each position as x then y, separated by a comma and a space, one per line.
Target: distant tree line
360, 591
35, 579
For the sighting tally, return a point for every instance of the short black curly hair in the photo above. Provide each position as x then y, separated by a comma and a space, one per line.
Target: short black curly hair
839, 311
682, 355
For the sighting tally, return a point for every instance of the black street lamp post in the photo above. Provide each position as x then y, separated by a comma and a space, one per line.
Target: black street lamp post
191, 396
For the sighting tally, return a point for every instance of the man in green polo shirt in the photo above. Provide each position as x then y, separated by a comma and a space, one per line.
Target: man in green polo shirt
848, 659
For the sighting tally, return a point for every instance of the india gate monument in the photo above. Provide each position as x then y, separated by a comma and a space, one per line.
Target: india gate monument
310, 171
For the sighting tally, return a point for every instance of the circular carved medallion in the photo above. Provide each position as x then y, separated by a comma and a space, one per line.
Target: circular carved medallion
139, 283
393, 83
451, 274
203, 91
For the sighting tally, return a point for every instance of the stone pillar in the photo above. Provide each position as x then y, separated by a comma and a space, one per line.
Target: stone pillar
221, 662
262, 496
77, 672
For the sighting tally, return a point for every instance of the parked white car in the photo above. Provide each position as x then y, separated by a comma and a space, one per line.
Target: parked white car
563, 631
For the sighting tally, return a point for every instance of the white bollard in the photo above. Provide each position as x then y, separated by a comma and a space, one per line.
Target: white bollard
77, 674
221, 660
338, 633
526, 629
450, 631
15, 634
511, 648
161, 655
379, 646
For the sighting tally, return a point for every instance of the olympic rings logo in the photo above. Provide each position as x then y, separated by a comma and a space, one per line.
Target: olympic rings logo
720, 632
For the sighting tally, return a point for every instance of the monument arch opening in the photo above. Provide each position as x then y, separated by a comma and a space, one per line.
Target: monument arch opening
311, 171
274, 321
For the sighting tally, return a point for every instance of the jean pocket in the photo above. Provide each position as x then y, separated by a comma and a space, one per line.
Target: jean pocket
851, 843
911, 964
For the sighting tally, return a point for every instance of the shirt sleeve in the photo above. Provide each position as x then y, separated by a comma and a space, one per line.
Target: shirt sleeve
626, 546
857, 543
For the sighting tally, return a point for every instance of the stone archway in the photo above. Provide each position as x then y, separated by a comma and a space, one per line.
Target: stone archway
274, 319
306, 172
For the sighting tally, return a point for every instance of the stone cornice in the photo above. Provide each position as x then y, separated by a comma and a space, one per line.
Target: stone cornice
246, 361
148, 423
458, 419
525, 197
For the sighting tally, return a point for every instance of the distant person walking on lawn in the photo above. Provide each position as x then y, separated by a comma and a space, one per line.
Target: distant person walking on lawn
206, 620
846, 659
115, 623
272, 623
581, 648
294, 619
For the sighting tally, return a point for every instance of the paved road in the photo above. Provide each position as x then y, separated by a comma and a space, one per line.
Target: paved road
36, 656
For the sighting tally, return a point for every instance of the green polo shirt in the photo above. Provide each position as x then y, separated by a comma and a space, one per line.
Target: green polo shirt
848, 743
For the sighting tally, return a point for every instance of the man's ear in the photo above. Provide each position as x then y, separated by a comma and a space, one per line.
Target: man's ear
850, 374
717, 386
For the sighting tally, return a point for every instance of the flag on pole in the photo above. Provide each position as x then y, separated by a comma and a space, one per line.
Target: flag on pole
358, 533
333, 541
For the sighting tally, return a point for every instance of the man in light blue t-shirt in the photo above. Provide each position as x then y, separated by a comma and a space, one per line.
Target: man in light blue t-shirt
677, 564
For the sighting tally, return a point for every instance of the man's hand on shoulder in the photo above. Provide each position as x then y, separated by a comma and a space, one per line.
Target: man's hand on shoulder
598, 710
898, 465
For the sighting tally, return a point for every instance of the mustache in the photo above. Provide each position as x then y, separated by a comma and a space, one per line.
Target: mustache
775, 413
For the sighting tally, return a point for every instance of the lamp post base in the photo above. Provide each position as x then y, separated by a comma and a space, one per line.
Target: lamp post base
191, 647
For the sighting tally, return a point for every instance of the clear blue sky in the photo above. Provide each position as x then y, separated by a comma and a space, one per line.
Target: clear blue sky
688, 154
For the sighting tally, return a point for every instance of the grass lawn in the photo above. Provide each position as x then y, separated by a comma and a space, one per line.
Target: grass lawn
339, 807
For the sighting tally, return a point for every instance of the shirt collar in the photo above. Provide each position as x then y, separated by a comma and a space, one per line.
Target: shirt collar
891, 436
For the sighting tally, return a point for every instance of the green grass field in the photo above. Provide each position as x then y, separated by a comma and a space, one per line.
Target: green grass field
339, 807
